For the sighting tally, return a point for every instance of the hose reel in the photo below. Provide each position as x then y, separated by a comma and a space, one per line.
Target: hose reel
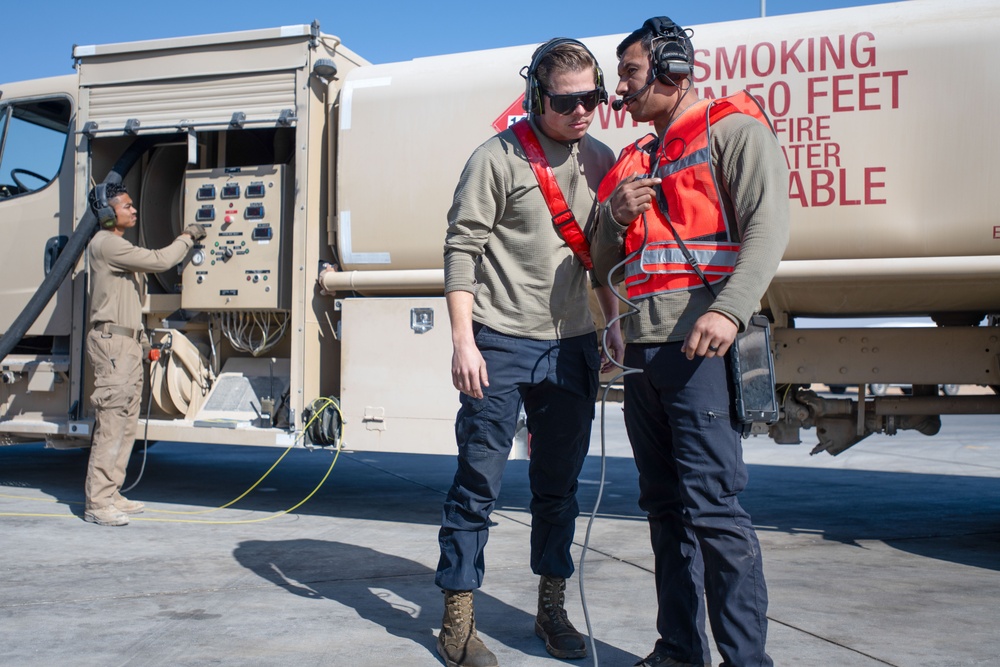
322, 422
179, 381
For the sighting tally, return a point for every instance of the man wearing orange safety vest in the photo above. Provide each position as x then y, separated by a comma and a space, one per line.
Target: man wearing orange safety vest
717, 195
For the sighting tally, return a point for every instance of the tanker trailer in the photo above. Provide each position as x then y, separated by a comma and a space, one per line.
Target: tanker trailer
890, 150
296, 153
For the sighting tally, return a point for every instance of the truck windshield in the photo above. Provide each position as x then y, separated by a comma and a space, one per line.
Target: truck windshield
32, 140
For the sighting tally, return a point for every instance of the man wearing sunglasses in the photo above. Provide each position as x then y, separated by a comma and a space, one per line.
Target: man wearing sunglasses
523, 334
720, 186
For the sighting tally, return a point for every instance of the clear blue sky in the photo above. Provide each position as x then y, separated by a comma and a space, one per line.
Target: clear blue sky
37, 36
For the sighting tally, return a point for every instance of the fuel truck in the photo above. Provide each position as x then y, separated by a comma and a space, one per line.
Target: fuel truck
324, 182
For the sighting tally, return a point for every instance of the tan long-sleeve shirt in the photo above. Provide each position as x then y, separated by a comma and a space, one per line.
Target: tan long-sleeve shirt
114, 281
501, 244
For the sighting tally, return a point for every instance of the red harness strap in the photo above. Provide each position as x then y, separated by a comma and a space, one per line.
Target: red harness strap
563, 218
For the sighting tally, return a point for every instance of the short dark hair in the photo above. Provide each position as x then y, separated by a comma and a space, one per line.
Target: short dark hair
643, 34
111, 190
567, 57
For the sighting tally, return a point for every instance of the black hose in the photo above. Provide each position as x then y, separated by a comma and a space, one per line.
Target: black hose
71, 252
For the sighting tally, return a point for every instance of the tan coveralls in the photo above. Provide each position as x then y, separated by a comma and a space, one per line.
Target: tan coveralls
115, 356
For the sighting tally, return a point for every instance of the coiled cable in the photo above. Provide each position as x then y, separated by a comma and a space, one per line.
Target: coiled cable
625, 370
319, 405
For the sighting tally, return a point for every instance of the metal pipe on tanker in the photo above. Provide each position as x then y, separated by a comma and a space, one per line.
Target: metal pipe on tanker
382, 282
876, 286
938, 405
938, 268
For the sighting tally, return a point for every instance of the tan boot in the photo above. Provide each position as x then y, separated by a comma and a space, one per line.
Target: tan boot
551, 624
459, 644
126, 506
106, 516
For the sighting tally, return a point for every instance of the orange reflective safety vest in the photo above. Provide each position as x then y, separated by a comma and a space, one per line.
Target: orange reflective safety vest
689, 199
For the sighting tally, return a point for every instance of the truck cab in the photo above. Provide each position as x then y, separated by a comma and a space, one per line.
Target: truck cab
37, 169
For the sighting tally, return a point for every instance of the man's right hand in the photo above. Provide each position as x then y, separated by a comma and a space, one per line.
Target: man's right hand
633, 197
195, 231
468, 370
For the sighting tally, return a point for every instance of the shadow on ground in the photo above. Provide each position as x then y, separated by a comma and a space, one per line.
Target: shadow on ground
393, 592
848, 506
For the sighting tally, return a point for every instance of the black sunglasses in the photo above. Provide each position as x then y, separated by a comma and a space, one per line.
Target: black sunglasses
566, 104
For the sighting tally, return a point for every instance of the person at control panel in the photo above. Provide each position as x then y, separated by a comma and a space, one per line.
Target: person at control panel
115, 345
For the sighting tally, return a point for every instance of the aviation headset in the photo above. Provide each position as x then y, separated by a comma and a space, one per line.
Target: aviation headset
671, 53
106, 215
533, 89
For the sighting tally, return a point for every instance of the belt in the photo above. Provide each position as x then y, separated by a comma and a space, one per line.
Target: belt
108, 328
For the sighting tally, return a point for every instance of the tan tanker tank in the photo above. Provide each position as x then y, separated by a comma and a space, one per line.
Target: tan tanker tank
885, 119
885, 115
296, 153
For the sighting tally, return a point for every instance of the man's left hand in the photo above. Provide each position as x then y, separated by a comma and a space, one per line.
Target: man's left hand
711, 336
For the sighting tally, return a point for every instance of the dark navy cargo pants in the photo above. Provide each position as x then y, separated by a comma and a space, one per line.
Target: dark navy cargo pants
690, 461
556, 380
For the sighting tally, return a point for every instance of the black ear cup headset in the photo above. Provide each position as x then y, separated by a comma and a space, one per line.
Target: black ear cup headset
671, 52
671, 55
105, 213
533, 90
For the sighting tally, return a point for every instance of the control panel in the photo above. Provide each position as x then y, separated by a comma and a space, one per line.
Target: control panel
242, 262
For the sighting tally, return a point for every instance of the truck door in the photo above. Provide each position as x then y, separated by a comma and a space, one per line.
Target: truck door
36, 196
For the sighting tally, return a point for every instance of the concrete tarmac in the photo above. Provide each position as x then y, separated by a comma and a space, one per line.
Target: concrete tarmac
886, 555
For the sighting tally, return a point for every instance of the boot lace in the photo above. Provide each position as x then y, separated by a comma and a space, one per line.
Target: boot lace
553, 601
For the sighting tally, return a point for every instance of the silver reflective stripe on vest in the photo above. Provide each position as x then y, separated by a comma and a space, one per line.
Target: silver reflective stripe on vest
710, 261
667, 168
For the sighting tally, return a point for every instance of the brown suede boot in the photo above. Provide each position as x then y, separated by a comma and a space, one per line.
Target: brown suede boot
459, 644
551, 624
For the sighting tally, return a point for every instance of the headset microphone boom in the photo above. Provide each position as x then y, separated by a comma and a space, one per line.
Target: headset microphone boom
619, 104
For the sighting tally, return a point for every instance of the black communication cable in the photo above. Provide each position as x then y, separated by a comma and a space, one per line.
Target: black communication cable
73, 249
625, 370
